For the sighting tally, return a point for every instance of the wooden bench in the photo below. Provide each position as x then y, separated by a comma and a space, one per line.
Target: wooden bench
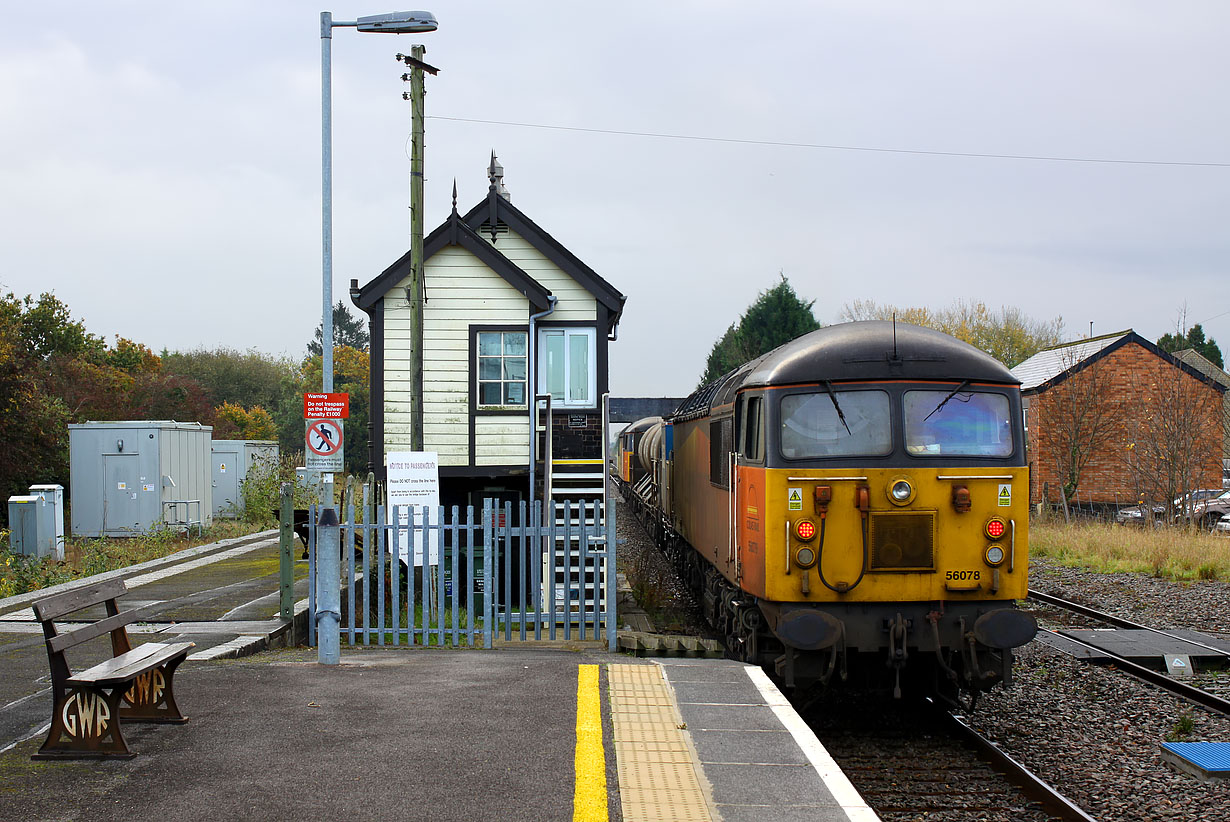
133, 686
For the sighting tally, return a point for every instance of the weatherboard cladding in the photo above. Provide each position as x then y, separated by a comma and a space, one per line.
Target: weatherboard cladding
466, 294
499, 210
573, 301
455, 234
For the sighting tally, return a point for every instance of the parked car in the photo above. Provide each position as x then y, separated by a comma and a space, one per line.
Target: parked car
1209, 512
1223, 525
1135, 514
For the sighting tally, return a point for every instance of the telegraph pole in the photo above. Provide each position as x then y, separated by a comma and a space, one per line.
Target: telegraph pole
416, 96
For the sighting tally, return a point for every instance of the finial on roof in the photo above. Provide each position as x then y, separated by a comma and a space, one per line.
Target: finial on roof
495, 173
454, 195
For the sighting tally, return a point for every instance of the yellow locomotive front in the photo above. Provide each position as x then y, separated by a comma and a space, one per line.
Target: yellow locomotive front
913, 543
876, 507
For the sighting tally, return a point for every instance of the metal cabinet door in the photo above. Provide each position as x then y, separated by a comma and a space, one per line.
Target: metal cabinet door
121, 483
226, 483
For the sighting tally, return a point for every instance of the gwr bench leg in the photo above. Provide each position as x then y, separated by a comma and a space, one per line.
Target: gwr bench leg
85, 724
152, 697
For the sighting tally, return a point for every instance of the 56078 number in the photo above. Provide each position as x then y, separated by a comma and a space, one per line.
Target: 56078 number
963, 575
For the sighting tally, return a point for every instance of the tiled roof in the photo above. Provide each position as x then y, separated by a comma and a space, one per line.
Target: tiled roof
1196, 360
1048, 364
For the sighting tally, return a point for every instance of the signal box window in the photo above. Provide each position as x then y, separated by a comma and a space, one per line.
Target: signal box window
957, 423
501, 368
567, 366
841, 424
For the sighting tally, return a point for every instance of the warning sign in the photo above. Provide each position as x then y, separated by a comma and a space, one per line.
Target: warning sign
1005, 495
794, 499
326, 406
324, 445
1179, 665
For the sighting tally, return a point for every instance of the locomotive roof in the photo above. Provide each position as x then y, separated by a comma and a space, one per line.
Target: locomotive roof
871, 350
643, 424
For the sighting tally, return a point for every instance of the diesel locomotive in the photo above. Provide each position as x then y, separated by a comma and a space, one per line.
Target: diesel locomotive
853, 504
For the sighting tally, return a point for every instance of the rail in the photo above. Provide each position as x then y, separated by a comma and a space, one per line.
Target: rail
1191, 693
1118, 622
1052, 800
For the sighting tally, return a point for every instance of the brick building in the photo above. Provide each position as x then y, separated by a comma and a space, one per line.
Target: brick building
1123, 417
1200, 363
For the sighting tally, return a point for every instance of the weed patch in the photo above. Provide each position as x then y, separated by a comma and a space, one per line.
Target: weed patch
85, 557
1177, 554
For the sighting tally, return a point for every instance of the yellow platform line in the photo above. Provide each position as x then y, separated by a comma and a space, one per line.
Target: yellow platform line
589, 795
659, 777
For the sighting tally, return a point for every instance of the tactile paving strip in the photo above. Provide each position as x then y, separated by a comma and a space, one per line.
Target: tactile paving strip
658, 773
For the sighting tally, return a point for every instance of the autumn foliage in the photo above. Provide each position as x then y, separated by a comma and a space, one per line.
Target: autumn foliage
54, 372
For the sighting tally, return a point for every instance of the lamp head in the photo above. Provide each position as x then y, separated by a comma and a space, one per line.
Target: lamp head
399, 22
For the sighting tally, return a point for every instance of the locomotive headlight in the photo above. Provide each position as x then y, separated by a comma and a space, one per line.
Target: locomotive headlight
995, 554
995, 528
900, 491
805, 556
805, 529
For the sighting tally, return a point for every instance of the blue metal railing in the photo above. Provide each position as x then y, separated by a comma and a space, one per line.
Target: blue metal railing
424, 576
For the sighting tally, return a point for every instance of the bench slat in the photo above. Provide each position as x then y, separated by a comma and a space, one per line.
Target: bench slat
126, 666
57, 605
68, 639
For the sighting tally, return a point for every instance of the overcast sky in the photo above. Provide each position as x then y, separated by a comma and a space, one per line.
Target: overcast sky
160, 162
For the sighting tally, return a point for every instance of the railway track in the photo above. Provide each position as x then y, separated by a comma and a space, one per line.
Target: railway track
1191, 693
927, 763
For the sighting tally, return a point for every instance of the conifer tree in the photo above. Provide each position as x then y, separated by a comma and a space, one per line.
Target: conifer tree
777, 316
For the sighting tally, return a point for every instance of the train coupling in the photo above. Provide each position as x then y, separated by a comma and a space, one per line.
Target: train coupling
898, 641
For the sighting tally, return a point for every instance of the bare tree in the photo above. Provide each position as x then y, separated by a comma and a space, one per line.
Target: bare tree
1080, 420
1173, 439
1010, 335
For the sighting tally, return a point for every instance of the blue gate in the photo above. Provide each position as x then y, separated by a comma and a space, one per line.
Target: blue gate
431, 577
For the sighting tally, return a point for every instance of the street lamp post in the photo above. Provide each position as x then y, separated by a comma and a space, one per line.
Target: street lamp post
328, 601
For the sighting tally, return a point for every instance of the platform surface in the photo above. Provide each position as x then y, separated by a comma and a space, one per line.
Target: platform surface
468, 735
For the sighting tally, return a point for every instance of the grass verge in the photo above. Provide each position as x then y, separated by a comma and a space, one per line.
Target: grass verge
84, 557
1170, 553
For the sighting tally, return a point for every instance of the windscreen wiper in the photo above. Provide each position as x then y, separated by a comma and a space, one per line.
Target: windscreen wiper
944, 401
828, 386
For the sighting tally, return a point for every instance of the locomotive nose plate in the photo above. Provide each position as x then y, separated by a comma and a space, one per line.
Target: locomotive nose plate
902, 540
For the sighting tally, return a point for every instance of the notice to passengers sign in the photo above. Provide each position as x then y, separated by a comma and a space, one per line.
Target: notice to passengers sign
414, 490
326, 406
